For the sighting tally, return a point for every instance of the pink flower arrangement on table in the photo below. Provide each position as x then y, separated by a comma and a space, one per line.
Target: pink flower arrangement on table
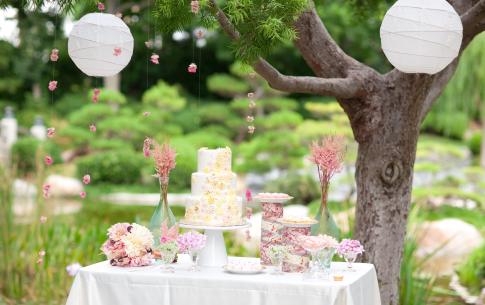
350, 246
128, 245
316, 243
191, 241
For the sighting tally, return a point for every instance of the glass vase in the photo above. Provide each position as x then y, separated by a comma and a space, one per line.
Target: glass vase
326, 224
162, 213
324, 258
350, 259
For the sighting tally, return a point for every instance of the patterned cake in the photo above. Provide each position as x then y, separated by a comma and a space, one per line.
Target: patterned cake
214, 201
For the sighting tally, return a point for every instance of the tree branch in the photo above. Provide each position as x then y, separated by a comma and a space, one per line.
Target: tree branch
347, 87
474, 20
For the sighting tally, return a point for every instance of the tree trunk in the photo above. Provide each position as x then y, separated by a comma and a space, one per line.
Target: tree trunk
482, 147
387, 134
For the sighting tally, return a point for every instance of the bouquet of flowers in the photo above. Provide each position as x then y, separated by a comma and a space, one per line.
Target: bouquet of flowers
191, 242
349, 247
316, 243
128, 245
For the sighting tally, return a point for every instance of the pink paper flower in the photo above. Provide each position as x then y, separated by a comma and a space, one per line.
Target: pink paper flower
154, 58
51, 132
92, 128
146, 147
54, 55
249, 195
45, 190
52, 85
43, 219
251, 129
82, 195
117, 51
249, 119
168, 234
192, 68
73, 269
164, 157
195, 6
87, 179
48, 160
96, 93
101, 6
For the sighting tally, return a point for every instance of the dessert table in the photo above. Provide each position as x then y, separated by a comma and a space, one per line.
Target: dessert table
102, 284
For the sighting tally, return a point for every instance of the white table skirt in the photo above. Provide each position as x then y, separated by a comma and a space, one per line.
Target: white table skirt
102, 284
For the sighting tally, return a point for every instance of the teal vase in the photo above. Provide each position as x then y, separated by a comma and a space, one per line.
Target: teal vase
162, 213
326, 224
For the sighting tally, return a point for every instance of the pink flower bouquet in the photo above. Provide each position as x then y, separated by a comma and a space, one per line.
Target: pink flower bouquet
128, 245
349, 249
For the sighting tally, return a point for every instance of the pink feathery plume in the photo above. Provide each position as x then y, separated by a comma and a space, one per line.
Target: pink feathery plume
164, 157
328, 156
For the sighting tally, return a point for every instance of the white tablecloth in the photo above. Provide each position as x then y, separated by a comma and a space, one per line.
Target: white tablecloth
102, 284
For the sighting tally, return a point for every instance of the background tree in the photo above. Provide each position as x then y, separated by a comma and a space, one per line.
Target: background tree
385, 110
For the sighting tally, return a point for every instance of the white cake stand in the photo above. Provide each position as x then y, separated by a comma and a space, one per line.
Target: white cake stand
214, 253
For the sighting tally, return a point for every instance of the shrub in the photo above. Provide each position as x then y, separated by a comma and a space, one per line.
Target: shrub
304, 188
284, 119
91, 114
73, 136
323, 110
188, 119
130, 129
70, 102
227, 85
450, 124
472, 271
278, 104
475, 143
215, 113
180, 177
165, 97
207, 139
116, 167
24, 153
110, 97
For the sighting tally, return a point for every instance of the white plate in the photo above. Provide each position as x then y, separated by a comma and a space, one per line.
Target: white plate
272, 200
243, 269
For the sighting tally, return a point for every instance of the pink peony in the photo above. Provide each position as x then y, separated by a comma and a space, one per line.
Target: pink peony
116, 231
154, 58
192, 68
87, 179
52, 85
48, 160
101, 6
51, 132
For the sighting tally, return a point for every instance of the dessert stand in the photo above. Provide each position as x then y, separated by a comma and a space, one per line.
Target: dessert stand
214, 253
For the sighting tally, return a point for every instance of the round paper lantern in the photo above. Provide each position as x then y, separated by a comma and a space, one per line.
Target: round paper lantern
100, 44
421, 36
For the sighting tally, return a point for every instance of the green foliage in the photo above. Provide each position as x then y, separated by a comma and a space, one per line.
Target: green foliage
164, 97
215, 113
450, 124
188, 119
472, 271
132, 130
269, 150
205, 138
281, 120
180, 177
26, 151
117, 166
69, 103
226, 85
89, 114
324, 110
304, 188
475, 143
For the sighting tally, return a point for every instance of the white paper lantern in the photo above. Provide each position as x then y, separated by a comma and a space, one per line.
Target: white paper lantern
92, 43
421, 36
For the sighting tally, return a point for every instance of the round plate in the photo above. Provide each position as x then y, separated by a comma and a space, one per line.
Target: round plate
272, 200
240, 269
214, 228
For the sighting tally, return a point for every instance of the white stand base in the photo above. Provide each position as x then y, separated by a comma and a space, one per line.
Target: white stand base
214, 254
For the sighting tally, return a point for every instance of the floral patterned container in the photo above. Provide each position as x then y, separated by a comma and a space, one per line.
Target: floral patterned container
297, 258
270, 229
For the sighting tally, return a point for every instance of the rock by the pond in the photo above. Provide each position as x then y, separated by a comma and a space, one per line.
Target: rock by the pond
252, 245
62, 186
448, 241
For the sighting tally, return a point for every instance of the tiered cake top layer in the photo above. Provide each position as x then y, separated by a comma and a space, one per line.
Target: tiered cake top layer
214, 160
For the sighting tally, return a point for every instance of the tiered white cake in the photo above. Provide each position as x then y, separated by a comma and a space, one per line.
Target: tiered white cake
214, 201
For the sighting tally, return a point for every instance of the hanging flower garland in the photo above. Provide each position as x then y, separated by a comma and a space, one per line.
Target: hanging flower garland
250, 116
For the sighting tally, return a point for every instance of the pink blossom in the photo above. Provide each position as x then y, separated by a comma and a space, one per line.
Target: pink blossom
192, 68
251, 129
191, 241
328, 156
73, 269
92, 128
43, 219
96, 93
195, 6
87, 179
48, 160
350, 246
54, 55
154, 59
146, 147
117, 51
42, 253
45, 190
164, 157
146, 113
168, 234
51, 132
101, 6
249, 119
249, 195
52, 85
82, 195
116, 231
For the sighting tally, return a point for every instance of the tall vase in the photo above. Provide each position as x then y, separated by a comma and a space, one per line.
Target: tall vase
161, 214
326, 224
